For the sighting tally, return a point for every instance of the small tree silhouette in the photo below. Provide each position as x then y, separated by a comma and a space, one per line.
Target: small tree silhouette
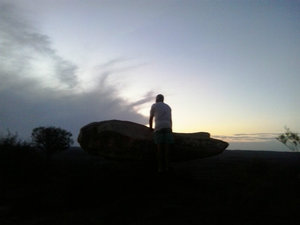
290, 139
13, 141
51, 139
9, 140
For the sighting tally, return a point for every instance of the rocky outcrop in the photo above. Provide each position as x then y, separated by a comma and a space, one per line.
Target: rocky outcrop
126, 140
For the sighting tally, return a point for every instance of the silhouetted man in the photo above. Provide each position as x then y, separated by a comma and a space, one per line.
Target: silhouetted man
163, 136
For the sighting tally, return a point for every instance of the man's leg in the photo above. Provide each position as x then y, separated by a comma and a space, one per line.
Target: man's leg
166, 157
159, 157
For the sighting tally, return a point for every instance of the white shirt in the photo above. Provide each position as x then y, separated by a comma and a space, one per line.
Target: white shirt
162, 115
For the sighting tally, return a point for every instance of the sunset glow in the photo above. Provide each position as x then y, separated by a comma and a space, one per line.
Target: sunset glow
225, 67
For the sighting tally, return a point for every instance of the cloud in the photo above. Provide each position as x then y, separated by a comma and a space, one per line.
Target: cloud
40, 88
249, 137
148, 97
253, 141
25, 52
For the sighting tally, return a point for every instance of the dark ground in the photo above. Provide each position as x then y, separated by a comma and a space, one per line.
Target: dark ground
236, 187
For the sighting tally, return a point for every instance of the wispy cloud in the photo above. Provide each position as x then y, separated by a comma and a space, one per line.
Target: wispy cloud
148, 97
39, 87
27, 53
249, 137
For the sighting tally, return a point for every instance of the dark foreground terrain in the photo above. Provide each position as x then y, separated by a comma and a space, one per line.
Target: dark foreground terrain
236, 187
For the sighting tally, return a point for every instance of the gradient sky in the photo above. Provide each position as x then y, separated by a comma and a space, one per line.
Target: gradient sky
231, 68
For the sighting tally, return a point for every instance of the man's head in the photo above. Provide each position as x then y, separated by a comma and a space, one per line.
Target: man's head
159, 98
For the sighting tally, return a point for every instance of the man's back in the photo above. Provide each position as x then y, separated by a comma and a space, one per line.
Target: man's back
162, 115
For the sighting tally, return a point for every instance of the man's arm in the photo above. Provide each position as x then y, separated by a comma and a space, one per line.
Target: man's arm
151, 122
151, 117
171, 122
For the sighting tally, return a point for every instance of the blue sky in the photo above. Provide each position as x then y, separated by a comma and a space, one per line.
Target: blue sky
225, 67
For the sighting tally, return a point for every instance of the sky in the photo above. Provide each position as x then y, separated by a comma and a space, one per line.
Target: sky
230, 68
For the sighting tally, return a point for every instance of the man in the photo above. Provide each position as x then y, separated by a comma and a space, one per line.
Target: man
163, 131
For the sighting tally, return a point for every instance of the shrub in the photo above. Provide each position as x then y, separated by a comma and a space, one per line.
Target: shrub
290, 139
17, 157
12, 142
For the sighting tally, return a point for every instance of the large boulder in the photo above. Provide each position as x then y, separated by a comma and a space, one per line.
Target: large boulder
126, 140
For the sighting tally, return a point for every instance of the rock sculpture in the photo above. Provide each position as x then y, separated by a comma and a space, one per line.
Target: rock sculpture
126, 140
